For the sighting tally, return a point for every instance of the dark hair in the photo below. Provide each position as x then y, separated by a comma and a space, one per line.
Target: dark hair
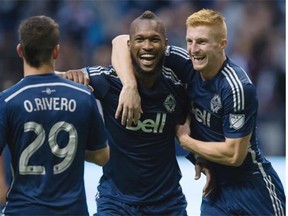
148, 15
38, 35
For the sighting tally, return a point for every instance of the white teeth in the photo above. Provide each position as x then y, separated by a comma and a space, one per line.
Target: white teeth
198, 58
147, 56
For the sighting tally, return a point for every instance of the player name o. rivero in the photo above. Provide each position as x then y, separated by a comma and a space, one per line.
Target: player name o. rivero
51, 103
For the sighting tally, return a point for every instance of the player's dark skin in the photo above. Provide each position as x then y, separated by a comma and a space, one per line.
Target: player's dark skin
144, 42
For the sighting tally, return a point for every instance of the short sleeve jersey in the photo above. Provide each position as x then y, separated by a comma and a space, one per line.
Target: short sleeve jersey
142, 166
225, 106
48, 122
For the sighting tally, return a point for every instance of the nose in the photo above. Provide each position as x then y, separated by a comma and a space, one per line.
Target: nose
147, 44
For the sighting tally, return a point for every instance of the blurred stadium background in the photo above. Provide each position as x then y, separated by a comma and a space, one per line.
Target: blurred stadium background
256, 41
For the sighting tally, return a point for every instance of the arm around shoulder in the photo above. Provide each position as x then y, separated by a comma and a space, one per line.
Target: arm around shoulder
129, 100
121, 60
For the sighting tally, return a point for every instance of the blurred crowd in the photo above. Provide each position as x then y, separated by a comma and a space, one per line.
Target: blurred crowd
256, 41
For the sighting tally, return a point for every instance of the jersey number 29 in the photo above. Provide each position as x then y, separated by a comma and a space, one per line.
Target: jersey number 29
68, 152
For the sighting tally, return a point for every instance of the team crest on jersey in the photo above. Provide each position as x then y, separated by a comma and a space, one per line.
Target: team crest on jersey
215, 104
48, 91
170, 103
236, 120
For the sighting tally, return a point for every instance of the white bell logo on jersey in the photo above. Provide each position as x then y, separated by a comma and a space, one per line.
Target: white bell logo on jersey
170, 103
150, 125
236, 121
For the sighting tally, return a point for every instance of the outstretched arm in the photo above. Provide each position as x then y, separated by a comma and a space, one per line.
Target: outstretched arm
129, 99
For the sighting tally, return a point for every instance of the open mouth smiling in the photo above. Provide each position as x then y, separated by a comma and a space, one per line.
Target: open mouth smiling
147, 59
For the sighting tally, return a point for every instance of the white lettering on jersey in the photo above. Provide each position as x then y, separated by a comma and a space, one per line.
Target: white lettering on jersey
202, 116
53, 103
151, 125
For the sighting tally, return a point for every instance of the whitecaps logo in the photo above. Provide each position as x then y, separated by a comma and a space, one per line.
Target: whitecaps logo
170, 103
215, 103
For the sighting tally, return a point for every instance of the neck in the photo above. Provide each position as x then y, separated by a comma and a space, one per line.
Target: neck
147, 80
44, 69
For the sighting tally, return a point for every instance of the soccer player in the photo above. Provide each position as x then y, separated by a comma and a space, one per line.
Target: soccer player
49, 124
223, 125
142, 176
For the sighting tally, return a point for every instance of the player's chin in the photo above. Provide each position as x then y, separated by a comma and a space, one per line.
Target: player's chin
147, 70
197, 66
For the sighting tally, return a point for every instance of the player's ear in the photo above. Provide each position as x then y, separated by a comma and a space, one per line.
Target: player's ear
223, 43
19, 50
129, 44
166, 42
55, 51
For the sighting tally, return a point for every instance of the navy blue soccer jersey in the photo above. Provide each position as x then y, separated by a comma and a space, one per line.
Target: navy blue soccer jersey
142, 166
225, 106
48, 122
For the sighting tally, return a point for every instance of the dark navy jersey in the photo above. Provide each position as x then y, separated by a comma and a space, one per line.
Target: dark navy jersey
225, 106
48, 122
142, 166
178, 60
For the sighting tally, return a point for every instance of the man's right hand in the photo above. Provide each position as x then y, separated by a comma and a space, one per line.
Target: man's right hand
77, 76
129, 106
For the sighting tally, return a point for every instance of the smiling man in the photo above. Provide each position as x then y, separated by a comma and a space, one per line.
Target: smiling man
142, 176
223, 124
